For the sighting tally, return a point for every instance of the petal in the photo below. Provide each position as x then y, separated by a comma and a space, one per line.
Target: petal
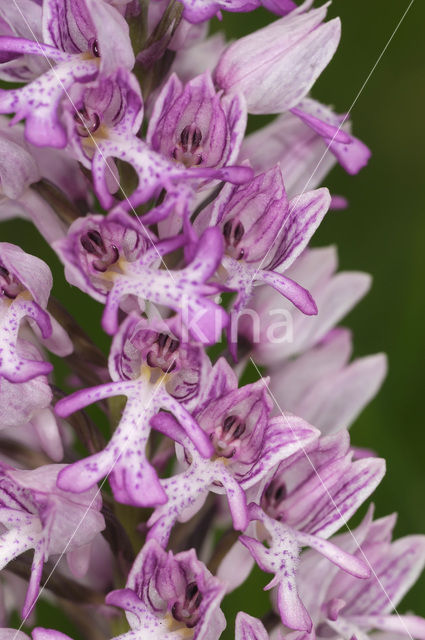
196, 11
113, 37
15, 541
294, 379
292, 611
408, 625
13, 18
249, 628
323, 128
336, 401
12, 366
334, 296
280, 7
59, 342
301, 154
79, 560
35, 580
48, 433
284, 58
13, 634
306, 212
220, 381
167, 96
18, 168
85, 397
283, 437
347, 562
24, 46
340, 489
32, 207
166, 424
220, 122
396, 568
183, 491
133, 479
202, 56
334, 301
288, 288
280, 558
32, 272
20, 402
261, 207
347, 629
351, 153
190, 426
127, 599
67, 26
235, 497
236, 565
237, 118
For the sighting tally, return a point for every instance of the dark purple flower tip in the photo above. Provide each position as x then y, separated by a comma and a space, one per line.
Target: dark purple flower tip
86, 124
186, 608
187, 150
10, 287
227, 436
236, 422
350, 152
300, 297
163, 354
273, 497
253, 215
113, 106
103, 256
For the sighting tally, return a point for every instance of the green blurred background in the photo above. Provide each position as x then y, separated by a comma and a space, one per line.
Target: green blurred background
382, 232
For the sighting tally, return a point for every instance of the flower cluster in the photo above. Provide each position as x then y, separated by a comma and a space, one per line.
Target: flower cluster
123, 142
